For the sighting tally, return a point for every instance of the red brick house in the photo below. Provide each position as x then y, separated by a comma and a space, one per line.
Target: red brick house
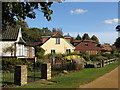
106, 48
86, 46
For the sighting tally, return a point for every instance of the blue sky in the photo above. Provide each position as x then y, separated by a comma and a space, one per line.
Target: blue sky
94, 18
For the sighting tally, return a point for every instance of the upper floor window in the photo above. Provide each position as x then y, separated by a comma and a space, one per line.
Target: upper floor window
57, 40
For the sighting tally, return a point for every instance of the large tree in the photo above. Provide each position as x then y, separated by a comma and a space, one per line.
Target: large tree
117, 43
86, 37
78, 37
17, 11
94, 38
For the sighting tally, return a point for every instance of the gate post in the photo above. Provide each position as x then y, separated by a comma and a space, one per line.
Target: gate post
20, 75
46, 71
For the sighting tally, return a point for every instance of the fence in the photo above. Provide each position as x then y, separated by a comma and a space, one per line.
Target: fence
12, 74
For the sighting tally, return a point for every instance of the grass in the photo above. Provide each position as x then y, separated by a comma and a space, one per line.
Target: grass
73, 80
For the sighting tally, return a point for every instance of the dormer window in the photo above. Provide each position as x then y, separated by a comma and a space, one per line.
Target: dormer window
57, 40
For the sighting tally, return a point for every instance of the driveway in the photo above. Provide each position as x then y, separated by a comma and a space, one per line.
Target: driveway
109, 80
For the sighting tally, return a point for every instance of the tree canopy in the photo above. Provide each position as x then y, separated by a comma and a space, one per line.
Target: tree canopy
94, 38
78, 37
117, 43
17, 11
86, 37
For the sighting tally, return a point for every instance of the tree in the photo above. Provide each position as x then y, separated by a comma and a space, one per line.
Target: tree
32, 34
17, 11
94, 38
86, 37
78, 37
10, 49
117, 43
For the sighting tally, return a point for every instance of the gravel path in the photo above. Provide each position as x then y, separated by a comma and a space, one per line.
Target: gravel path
109, 80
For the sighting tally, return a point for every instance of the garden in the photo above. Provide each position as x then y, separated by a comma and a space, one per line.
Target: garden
63, 67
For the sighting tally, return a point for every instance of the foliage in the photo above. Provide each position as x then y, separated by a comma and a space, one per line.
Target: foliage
117, 43
109, 56
10, 49
13, 11
71, 41
86, 57
34, 34
39, 52
75, 79
78, 37
86, 37
8, 64
94, 38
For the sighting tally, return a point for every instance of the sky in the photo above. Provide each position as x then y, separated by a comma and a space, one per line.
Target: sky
94, 18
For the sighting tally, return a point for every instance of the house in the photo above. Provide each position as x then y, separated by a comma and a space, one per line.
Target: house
56, 43
106, 48
86, 46
13, 44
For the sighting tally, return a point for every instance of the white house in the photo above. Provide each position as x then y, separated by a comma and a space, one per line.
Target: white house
13, 45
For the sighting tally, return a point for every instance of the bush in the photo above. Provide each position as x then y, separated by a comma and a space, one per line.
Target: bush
86, 57
8, 64
39, 52
109, 56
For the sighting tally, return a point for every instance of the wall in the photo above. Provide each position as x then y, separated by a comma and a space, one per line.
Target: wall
59, 48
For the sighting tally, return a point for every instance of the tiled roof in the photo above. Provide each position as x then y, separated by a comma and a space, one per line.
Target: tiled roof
106, 47
85, 46
57, 35
10, 34
33, 43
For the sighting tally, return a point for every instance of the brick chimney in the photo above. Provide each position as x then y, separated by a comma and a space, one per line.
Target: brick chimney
68, 39
45, 38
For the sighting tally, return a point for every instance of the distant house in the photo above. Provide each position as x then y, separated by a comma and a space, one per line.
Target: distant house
106, 48
56, 43
13, 44
86, 46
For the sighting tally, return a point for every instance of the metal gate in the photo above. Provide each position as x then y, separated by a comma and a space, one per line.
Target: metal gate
34, 71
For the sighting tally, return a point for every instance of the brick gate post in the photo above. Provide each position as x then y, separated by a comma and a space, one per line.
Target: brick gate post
20, 75
46, 71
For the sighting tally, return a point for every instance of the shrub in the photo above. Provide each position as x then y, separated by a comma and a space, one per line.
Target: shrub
86, 57
39, 52
8, 64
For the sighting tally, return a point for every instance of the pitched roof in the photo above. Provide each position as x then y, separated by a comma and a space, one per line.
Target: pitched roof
10, 34
85, 46
57, 35
106, 47
33, 43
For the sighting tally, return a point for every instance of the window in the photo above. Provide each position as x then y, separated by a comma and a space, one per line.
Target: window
27, 51
57, 40
52, 51
20, 50
33, 51
68, 51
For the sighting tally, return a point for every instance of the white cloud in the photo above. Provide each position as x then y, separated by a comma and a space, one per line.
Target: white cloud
111, 21
78, 11
104, 37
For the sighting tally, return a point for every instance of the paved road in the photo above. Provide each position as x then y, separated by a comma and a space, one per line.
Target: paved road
109, 80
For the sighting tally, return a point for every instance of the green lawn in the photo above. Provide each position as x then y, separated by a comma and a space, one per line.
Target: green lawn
73, 80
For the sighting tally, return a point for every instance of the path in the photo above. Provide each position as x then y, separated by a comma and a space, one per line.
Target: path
109, 80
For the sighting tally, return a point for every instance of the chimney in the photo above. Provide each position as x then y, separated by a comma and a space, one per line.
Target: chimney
45, 38
67, 37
